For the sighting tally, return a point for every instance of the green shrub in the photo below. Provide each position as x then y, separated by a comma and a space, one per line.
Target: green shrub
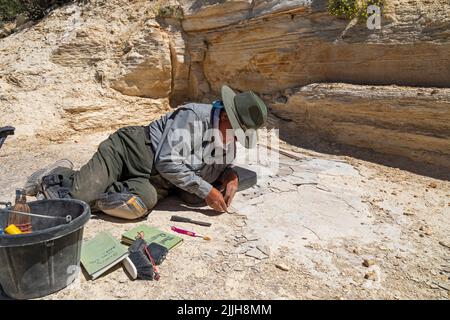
9, 9
351, 9
170, 12
34, 9
37, 9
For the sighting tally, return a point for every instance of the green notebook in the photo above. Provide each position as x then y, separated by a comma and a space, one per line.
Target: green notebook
101, 253
151, 234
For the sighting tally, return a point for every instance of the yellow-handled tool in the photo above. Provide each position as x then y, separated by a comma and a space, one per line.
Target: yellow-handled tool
12, 229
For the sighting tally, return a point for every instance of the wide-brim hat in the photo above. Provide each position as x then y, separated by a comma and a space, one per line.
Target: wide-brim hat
246, 112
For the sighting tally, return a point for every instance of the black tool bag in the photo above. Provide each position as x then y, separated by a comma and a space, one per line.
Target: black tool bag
158, 252
139, 255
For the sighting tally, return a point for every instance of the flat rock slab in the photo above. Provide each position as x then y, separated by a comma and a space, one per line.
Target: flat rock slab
257, 254
294, 216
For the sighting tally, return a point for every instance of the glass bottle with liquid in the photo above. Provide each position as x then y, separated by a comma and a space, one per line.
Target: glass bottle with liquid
21, 221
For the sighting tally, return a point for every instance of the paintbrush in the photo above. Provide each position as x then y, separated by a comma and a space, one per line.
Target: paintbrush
189, 233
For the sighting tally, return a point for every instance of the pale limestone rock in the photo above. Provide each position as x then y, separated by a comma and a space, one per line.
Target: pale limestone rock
216, 15
98, 117
257, 254
180, 61
147, 68
282, 266
79, 52
269, 46
405, 121
368, 262
57, 75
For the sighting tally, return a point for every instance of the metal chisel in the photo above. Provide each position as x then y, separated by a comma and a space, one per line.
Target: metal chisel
188, 220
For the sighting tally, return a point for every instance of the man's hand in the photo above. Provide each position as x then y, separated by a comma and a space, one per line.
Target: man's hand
231, 183
215, 200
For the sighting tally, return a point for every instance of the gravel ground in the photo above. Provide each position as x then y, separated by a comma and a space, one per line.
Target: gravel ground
321, 227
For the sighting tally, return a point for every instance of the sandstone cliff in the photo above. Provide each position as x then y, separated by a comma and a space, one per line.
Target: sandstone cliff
107, 64
413, 122
57, 76
275, 47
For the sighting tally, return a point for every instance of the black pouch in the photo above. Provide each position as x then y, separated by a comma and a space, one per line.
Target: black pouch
158, 252
140, 260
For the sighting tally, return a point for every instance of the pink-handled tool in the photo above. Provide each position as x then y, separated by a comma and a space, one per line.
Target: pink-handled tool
189, 233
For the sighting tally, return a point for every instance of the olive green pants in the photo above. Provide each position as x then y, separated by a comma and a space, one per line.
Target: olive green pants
122, 163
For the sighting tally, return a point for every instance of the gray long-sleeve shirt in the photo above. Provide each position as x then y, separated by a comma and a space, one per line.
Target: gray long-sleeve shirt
187, 151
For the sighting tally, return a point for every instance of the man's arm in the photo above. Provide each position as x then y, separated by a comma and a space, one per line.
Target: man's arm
184, 133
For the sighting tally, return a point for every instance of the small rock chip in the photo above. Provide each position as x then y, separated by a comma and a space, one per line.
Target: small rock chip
239, 268
282, 267
371, 275
257, 254
251, 237
444, 244
426, 230
264, 249
432, 185
368, 262
241, 250
443, 285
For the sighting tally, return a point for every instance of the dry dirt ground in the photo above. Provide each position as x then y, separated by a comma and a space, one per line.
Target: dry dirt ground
319, 217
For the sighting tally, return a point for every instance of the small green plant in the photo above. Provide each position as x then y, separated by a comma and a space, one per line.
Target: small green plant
34, 9
37, 9
351, 9
169, 11
9, 9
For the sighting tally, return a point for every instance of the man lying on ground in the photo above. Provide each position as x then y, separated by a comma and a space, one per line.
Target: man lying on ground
189, 150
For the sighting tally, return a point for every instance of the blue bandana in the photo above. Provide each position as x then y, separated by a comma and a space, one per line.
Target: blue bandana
217, 104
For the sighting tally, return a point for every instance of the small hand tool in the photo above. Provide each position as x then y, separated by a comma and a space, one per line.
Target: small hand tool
189, 233
188, 220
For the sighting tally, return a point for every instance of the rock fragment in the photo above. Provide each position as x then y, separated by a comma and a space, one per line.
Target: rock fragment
426, 230
264, 249
251, 237
371, 275
257, 254
368, 262
447, 245
282, 266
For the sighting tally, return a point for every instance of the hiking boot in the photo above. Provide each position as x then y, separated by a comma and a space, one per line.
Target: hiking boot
33, 184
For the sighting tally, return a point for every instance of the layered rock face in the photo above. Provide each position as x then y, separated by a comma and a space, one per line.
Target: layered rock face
276, 46
268, 46
412, 122
84, 69
108, 64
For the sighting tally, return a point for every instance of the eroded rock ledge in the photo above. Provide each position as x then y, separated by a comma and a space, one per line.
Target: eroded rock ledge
273, 45
102, 65
405, 121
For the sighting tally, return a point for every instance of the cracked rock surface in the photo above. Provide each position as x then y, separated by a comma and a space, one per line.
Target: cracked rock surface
303, 231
